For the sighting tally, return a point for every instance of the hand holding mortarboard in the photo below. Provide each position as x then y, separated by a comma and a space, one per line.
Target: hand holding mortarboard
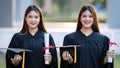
66, 56
17, 57
65, 53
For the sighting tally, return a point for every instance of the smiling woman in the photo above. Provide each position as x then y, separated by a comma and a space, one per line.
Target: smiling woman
31, 37
93, 53
32, 20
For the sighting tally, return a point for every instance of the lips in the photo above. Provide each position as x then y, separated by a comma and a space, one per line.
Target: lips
33, 23
87, 23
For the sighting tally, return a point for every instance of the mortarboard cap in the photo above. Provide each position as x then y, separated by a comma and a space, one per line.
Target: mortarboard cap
18, 50
72, 50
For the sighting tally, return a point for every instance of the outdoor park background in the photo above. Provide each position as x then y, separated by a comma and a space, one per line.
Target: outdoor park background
60, 19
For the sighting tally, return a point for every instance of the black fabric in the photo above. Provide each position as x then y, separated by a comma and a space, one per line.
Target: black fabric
35, 43
92, 52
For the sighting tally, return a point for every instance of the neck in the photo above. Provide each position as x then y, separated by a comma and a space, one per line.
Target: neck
86, 31
33, 31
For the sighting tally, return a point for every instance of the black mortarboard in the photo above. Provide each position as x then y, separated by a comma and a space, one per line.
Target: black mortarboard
72, 50
18, 50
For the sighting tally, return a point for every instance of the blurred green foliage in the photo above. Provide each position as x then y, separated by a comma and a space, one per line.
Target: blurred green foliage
68, 10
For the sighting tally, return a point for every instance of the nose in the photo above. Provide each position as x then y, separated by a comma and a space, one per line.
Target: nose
33, 19
87, 18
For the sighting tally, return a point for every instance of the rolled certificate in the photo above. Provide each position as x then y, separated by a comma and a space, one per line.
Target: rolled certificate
46, 39
111, 47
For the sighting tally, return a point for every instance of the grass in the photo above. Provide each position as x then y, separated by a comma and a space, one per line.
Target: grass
116, 61
2, 60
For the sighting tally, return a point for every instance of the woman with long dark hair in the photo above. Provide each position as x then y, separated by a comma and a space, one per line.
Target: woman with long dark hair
31, 37
92, 50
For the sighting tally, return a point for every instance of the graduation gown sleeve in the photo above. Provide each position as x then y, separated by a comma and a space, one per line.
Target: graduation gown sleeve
105, 49
15, 42
64, 63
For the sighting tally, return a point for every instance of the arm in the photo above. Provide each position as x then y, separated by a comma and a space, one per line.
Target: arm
106, 53
53, 54
65, 62
10, 63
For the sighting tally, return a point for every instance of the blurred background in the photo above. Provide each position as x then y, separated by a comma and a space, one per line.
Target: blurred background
67, 10
60, 19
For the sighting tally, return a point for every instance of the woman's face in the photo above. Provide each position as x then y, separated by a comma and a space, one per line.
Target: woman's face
86, 19
32, 19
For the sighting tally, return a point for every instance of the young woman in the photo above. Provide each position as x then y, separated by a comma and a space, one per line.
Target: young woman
31, 37
94, 50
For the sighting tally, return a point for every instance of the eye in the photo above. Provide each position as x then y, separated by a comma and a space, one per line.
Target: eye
36, 17
84, 15
90, 16
29, 16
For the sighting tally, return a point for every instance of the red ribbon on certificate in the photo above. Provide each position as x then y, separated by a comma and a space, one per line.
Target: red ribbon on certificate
112, 43
44, 48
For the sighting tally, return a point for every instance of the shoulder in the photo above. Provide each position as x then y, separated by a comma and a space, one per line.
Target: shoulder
100, 36
71, 35
18, 35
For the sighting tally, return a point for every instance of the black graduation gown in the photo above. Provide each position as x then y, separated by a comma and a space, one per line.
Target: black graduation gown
35, 43
91, 53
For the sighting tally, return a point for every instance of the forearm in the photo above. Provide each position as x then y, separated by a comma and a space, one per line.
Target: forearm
105, 60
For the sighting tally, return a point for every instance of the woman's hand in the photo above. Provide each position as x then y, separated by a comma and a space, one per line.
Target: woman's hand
66, 56
48, 57
16, 60
109, 53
